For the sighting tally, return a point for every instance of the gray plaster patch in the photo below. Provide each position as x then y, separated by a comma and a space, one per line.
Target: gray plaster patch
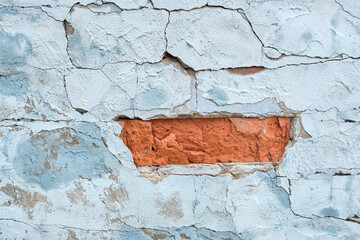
218, 95
14, 49
130, 233
280, 193
79, 51
171, 208
152, 98
54, 158
7, 11
307, 36
15, 83
330, 212
203, 233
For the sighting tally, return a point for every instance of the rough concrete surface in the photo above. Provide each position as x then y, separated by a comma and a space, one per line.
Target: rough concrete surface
70, 70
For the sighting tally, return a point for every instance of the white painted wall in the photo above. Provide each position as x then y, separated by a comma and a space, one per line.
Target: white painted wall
68, 70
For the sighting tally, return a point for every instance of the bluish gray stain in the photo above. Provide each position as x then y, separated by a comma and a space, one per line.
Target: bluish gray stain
33, 17
7, 10
81, 54
203, 233
14, 49
218, 95
134, 234
16, 83
355, 25
151, 98
55, 158
334, 22
332, 230
272, 174
345, 150
119, 51
342, 115
329, 212
195, 203
130, 233
96, 48
349, 183
77, 50
247, 235
279, 36
278, 227
189, 232
307, 36
279, 192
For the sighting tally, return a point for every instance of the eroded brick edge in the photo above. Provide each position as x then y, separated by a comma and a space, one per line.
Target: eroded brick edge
277, 129
235, 170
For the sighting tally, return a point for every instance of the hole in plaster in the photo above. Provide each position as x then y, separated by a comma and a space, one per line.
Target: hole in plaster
123, 117
206, 140
69, 30
245, 70
80, 110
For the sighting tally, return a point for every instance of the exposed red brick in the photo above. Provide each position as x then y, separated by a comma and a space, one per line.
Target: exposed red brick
245, 71
205, 140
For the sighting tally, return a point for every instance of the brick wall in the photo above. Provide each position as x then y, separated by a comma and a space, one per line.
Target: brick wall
205, 140
179, 119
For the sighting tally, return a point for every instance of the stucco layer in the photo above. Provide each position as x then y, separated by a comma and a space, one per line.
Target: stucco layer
205, 140
70, 69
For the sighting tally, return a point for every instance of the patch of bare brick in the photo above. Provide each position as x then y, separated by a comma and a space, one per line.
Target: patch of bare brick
205, 140
184, 141
245, 70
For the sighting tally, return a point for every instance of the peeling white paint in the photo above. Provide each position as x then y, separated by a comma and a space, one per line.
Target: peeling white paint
69, 68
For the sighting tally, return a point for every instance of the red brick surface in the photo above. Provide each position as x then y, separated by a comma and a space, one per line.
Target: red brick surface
205, 140
245, 71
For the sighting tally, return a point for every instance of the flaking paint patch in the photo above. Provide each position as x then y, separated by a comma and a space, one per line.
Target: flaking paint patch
72, 235
116, 193
54, 158
15, 83
14, 49
308, 43
156, 235
25, 199
204, 233
171, 208
77, 196
80, 51
130, 233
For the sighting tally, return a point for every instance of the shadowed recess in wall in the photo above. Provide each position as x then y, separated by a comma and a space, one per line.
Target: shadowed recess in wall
205, 140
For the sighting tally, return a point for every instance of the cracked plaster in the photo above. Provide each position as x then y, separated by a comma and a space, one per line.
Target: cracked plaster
59, 69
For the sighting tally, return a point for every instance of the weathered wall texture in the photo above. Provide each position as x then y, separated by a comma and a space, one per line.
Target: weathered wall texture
70, 70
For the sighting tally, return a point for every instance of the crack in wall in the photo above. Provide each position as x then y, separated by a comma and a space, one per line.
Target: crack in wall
157, 174
340, 57
342, 7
